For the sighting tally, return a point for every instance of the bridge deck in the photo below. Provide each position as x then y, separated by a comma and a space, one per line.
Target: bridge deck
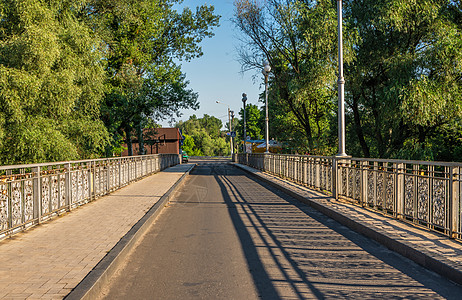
49, 260
226, 235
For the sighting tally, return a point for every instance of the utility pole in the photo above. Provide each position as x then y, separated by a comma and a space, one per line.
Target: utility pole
341, 85
231, 130
244, 99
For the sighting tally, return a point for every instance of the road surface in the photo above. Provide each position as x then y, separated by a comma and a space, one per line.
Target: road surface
228, 236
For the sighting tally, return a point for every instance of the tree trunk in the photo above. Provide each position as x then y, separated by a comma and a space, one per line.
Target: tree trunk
378, 134
140, 140
128, 135
359, 128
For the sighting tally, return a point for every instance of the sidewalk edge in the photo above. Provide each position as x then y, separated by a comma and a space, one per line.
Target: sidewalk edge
399, 247
90, 287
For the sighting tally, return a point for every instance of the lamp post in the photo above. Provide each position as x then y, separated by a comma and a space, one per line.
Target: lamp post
244, 99
266, 70
229, 123
341, 85
231, 130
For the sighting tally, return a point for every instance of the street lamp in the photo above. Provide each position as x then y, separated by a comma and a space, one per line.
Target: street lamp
229, 122
341, 85
231, 130
244, 99
266, 70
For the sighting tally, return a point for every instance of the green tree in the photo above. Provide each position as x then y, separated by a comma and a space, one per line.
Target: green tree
203, 138
51, 83
143, 38
296, 37
404, 85
254, 122
190, 147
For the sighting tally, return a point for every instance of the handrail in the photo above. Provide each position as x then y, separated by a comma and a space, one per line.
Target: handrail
33, 193
422, 193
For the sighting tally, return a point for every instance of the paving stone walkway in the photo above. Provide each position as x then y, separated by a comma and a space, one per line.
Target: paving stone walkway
49, 260
432, 250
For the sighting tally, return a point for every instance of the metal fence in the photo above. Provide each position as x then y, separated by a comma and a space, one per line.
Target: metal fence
423, 193
30, 194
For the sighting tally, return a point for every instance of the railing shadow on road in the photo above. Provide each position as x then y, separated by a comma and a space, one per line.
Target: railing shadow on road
314, 255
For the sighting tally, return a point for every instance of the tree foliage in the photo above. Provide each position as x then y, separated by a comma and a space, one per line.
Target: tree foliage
51, 83
203, 136
402, 66
143, 39
296, 37
405, 86
77, 77
254, 122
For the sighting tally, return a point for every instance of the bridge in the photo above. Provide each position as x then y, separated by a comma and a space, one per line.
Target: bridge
271, 227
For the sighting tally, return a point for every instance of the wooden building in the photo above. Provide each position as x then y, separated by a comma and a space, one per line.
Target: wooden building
158, 140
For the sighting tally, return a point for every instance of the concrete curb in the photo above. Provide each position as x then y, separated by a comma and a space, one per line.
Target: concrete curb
420, 257
91, 286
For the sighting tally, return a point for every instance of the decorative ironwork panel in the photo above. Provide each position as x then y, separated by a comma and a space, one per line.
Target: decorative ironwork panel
439, 197
123, 173
344, 181
350, 182
97, 181
54, 192
357, 189
329, 178
28, 200
138, 169
4, 206
309, 173
85, 185
116, 175
409, 191
132, 170
16, 203
380, 189
62, 190
75, 186
422, 198
370, 188
390, 191
111, 176
323, 177
45, 194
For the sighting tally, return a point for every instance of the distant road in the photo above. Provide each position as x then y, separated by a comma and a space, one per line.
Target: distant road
228, 236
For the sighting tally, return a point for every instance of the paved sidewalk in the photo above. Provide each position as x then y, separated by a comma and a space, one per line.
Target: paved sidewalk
49, 260
431, 250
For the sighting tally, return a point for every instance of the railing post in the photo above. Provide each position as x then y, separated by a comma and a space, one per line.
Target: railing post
37, 194
399, 190
363, 187
135, 168
454, 198
91, 181
67, 186
335, 177
317, 174
108, 175
119, 163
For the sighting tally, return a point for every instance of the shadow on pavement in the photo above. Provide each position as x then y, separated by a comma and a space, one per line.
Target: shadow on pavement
294, 251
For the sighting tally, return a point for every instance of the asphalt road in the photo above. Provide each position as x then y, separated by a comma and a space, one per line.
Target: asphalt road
228, 236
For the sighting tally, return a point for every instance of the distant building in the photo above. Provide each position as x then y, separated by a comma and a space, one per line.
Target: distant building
158, 140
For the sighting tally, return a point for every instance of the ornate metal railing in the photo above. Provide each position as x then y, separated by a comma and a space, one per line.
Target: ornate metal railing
30, 194
420, 192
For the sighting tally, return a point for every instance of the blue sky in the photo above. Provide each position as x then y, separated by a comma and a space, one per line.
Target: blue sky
216, 75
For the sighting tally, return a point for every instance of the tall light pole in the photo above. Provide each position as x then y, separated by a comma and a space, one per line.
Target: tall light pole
266, 70
231, 130
229, 127
341, 85
244, 99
